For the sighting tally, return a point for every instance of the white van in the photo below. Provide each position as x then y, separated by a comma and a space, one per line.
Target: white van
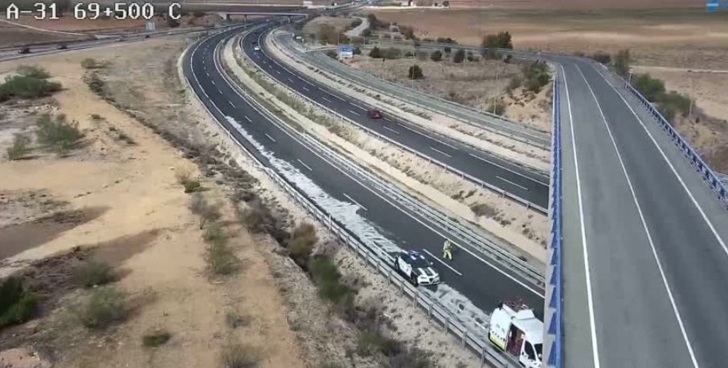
518, 332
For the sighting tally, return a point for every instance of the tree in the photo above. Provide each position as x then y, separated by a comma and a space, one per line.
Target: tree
621, 62
459, 56
501, 40
436, 55
375, 53
653, 89
415, 72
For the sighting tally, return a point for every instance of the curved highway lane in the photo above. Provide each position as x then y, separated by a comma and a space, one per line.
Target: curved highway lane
493, 170
478, 281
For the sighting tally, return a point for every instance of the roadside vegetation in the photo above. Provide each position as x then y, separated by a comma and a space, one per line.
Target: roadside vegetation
103, 307
670, 104
56, 133
29, 82
17, 304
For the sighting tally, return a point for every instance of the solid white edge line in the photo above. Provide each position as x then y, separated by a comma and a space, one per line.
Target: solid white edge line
674, 171
590, 297
442, 262
512, 183
269, 137
644, 223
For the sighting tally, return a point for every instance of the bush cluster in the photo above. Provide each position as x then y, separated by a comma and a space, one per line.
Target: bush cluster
17, 304
30, 82
669, 103
55, 132
535, 76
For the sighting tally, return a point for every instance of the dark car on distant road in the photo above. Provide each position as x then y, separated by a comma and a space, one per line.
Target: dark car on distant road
24, 50
374, 114
62, 46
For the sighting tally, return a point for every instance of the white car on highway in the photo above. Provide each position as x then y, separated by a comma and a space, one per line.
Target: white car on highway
256, 48
415, 267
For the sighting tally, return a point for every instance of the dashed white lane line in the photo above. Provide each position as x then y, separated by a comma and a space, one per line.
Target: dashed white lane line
304, 165
355, 202
326, 99
442, 262
437, 150
247, 118
337, 97
428, 137
512, 183
269, 137
354, 112
231, 103
290, 80
390, 129
278, 71
507, 169
213, 82
359, 107
305, 89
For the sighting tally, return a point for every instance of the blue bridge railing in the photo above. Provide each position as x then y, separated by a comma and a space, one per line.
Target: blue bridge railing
693, 157
554, 298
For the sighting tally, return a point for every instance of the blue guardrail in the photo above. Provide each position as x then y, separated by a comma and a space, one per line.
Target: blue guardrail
693, 157
554, 357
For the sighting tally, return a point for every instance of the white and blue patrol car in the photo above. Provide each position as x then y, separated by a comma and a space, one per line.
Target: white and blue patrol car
415, 267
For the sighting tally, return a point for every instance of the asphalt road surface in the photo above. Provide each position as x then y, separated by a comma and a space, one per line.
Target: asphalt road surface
482, 284
486, 167
645, 263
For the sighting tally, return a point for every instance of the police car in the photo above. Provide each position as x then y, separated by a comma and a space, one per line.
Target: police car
414, 266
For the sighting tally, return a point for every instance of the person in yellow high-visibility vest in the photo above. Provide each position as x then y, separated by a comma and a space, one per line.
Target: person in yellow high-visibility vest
447, 250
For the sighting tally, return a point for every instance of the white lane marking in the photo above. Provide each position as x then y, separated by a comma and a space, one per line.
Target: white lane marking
307, 82
213, 82
354, 112
507, 169
304, 164
442, 262
305, 89
388, 120
247, 118
269, 137
390, 129
231, 103
337, 97
428, 137
359, 106
326, 99
290, 80
674, 171
511, 182
589, 295
277, 71
437, 150
355, 202
644, 222
207, 74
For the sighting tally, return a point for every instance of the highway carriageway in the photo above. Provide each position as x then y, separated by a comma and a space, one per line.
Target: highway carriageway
499, 173
481, 281
645, 264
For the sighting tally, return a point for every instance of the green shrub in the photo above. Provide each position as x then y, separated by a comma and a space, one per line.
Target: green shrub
436, 55
27, 87
622, 61
536, 76
155, 338
19, 148
459, 56
501, 40
514, 83
332, 54
208, 212
17, 305
602, 57
57, 133
221, 260
375, 53
415, 72
95, 84
103, 307
651, 88
674, 103
372, 341
92, 274
301, 243
328, 281
497, 107
239, 356
392, 53
33, 72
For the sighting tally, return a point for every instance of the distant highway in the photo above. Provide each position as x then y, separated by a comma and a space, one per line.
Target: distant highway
491, 169
484, 285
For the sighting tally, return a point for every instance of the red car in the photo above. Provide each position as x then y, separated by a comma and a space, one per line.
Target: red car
374, 114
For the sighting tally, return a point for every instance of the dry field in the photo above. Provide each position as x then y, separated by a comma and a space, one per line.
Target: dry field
472, 83
340, 24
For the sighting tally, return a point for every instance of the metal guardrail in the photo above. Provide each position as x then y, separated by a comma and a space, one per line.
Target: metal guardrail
708, 175
554, 301
458, 172
380, 262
